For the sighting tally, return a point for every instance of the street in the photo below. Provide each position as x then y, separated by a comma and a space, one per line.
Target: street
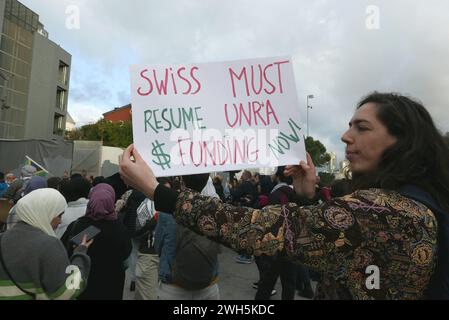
235, 280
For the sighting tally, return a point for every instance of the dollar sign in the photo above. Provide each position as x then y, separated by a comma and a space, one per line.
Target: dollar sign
163, 159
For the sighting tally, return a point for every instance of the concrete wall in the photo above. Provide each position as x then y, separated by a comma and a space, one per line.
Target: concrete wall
44, 82
2, 15
110, 160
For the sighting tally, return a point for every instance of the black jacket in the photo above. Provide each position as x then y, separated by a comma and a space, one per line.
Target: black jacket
108, 252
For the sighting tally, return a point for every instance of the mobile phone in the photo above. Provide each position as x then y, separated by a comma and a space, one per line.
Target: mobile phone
90, 231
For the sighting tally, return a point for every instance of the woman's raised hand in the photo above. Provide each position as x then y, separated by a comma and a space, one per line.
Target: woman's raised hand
136, 173
304, 177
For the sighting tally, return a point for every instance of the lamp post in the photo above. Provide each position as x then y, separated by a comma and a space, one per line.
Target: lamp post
310, 96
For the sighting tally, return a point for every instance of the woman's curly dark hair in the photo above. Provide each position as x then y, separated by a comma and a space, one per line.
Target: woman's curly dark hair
420, 155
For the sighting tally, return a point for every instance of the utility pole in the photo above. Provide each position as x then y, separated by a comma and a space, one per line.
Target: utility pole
310, 96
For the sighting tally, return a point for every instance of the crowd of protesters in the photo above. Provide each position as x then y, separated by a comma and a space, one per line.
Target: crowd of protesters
149, 248
167, 231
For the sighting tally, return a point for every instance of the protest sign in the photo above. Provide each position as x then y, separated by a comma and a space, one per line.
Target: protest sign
211, 117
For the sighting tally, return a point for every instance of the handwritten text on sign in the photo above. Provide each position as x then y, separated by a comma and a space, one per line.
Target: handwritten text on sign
216, 116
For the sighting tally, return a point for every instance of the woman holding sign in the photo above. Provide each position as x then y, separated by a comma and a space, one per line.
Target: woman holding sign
388, 239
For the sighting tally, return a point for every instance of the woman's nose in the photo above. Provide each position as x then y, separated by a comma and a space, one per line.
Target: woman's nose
346, 137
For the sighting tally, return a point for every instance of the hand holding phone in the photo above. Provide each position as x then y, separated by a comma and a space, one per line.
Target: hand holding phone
86, 243
86, 236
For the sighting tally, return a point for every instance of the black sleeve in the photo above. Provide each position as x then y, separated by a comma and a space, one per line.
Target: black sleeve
65, 239
165, 199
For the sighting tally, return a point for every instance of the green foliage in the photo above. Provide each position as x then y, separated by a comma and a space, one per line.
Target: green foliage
117, 134
317, 151
446, 138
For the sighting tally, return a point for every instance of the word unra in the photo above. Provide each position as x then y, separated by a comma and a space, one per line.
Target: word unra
265, 79
182, 81
252, 113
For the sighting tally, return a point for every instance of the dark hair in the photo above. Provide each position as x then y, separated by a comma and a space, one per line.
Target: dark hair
2, 176
165, 180
54, 182
75, 189
418, 157
266, 185
282, 177
119, 186
98, 180
196, 182
246, 175
76, 175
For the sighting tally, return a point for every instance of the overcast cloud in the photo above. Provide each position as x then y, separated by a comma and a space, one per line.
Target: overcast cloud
336, 56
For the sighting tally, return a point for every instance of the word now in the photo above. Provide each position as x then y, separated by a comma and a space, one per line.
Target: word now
283, 142
259, 79
179, 82
169, 118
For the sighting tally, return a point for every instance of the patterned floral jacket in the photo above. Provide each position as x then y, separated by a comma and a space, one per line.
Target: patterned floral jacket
372, 244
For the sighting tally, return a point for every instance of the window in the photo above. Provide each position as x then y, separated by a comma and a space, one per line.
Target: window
58, 125
18, 100
5, 61
24, 53
9, 28
15, 8
63, 73
25, 37
60, 99
19, 83
22, 69
7, 45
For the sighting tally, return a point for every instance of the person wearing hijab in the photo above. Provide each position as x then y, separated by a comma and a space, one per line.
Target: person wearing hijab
15, 190
34, 183
111, 248
35, 264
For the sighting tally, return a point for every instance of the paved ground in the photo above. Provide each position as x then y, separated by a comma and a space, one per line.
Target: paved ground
235, 280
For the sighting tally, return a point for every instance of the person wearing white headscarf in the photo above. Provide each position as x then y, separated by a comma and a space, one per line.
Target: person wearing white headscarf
34, 258
40, 208
35, 183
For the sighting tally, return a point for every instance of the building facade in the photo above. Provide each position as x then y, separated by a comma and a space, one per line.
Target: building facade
34, 77
70, 124
119, 114
332, 165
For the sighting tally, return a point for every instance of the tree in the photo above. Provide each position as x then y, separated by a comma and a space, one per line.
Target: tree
317, 151
113, 134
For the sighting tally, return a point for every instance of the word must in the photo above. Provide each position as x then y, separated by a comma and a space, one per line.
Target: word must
256, 79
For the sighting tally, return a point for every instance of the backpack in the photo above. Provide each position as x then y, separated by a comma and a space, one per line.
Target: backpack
196, 261
438, 288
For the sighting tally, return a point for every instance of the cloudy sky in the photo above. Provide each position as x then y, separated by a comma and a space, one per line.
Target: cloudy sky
342, 50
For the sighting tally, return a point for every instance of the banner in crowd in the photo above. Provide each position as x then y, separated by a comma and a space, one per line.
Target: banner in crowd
40, 170
212, 117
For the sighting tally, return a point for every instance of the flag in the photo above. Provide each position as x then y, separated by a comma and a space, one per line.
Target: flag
40, 170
